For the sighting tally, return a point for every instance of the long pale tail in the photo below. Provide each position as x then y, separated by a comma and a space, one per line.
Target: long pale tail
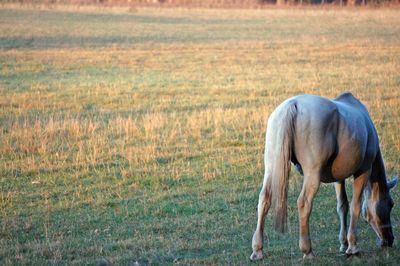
278, 150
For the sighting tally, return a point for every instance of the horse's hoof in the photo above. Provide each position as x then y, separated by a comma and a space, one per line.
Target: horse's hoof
257, 255
352, 251
343, 249
355, 255
309, 255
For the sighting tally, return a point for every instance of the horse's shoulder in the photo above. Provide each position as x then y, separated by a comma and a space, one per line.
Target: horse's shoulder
355, 113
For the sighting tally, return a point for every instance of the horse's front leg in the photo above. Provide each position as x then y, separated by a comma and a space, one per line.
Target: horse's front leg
342, 210
358, 187
304, 205
264, 203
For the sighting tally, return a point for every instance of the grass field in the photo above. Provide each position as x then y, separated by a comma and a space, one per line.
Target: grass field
133, 137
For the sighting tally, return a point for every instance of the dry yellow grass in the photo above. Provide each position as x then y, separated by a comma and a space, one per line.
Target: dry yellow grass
226, 89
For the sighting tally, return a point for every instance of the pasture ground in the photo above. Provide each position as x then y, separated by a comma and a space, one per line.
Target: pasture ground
136, 136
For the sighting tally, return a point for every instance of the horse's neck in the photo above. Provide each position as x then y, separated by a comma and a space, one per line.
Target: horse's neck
378, 183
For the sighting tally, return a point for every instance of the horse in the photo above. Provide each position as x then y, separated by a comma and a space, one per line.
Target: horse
328, 141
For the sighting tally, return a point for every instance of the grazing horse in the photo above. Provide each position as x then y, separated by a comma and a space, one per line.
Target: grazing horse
328, 141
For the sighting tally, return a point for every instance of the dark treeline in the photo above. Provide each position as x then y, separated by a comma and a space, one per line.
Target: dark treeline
211, 3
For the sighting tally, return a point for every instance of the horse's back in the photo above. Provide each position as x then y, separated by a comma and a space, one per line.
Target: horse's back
335, 137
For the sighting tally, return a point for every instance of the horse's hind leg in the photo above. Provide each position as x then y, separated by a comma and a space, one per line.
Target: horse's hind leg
264, 203
342, 210
304, 205
358, 186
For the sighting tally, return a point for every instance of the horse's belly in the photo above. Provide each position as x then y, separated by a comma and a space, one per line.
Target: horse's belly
345, 165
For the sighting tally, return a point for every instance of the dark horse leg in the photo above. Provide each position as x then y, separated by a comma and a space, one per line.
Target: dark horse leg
342, 210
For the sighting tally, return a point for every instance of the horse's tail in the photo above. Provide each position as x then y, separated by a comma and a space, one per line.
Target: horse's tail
281, 148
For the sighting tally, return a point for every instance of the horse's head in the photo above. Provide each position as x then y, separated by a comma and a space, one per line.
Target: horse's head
376, 210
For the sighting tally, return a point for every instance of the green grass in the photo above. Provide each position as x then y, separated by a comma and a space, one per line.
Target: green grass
138, 136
